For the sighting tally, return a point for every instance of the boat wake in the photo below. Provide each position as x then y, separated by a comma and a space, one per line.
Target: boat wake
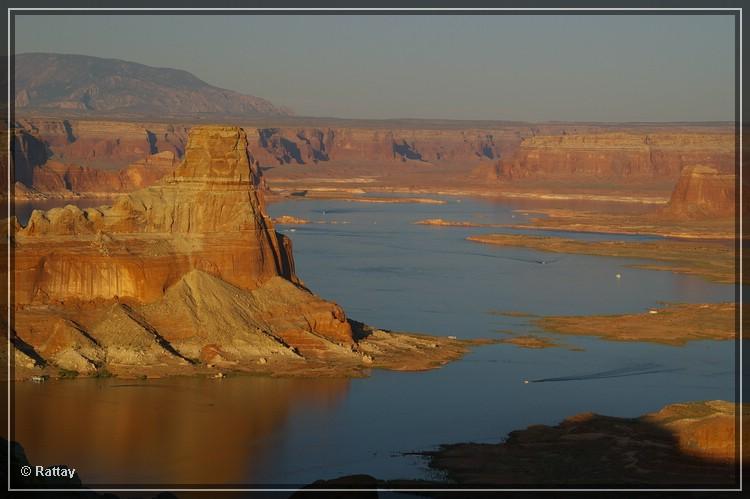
636, 370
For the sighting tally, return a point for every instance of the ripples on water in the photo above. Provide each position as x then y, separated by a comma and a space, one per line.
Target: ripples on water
388, 272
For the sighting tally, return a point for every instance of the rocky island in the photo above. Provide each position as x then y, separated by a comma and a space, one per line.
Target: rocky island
686, 443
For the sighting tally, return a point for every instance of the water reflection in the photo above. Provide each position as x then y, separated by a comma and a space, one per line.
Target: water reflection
388, 272
175, 431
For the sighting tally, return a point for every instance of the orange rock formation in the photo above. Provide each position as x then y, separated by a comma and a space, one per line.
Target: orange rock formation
194, 257
618, 155
288, 145
462, 156
702, 192
188, 272
58, 158
207, 215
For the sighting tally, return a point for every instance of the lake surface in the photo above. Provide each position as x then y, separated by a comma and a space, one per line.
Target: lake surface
390, 273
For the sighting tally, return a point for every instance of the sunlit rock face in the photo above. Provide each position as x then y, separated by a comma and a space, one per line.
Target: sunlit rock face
206, 215
617, 155
190, 268
702, 192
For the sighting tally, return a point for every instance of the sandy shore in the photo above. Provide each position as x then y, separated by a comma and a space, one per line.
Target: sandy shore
711, 260
672, 325
647, 224
376, 349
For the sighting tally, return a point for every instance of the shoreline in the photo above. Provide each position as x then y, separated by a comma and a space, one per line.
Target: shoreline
476, 193
299, 369
690, 442
673, 324
280, 191
712, 261
377, 350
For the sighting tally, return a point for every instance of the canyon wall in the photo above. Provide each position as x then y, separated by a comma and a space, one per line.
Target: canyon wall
63, 158
103, 144
302, 146
57, 177
617, 155
85, 157
112, 144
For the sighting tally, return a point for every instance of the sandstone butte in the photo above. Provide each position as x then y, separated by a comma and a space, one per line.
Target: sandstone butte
702, 205
188, 274
702, 192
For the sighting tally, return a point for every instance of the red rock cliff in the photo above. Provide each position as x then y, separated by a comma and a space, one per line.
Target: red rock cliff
287, 145
104, 143
206, 215
702, 192
187, 270
583, 154
617, 155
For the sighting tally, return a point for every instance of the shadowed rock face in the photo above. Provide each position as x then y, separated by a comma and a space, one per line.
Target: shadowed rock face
60, 158
96, 143
30, 151
188, 270
685, 443
702, 192
310, 145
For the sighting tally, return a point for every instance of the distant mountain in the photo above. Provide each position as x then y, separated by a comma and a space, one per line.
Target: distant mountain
95, 85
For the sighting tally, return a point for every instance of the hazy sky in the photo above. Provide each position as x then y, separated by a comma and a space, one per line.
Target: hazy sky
537, 68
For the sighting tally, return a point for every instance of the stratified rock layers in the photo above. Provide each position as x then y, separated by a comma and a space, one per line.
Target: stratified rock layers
206, 215
190, 268
310, 145
702, 192
59, 158
617, 155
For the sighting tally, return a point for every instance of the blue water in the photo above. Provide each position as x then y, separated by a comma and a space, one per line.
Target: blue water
386, 271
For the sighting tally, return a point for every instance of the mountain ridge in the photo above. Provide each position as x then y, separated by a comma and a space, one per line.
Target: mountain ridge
95, 84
